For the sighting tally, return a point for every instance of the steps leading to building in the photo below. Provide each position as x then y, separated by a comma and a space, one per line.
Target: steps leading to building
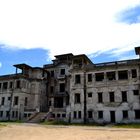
38, 117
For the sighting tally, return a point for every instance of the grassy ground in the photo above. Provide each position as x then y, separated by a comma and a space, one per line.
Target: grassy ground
127, 126
92, 124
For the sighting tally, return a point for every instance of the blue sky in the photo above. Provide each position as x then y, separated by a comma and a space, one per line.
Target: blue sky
33, 31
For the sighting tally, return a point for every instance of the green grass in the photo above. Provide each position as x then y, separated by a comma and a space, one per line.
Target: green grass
127, 126
2, 125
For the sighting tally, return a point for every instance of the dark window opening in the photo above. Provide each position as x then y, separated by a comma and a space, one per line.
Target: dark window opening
99, 76
137, 114
53, 115
58, 102
1, 113
9, 98
123, 75
100, 97
11, 85
77, 79
90, 115
89, 77
51, 89
16, 100
74, 114
58, 115
134, 73
50, 103
0, 85
124, 96
26, 101
90, 94
125, 114
62, 87
77, 98
77, 62
100, 114
136, 92
7, 113
111, 96
16, 114
13, 114
3, 100
18, 84
5, 85
52, 73
63, 115
62, 72
111, 76
79, 114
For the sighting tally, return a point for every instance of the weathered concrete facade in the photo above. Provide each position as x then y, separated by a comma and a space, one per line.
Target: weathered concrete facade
74, 89
22, 94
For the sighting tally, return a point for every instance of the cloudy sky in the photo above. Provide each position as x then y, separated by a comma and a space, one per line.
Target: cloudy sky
33, 31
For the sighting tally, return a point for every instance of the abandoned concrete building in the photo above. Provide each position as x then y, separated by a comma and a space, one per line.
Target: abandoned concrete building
73, 89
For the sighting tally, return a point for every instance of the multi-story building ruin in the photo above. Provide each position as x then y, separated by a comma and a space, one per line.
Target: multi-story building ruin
73, 89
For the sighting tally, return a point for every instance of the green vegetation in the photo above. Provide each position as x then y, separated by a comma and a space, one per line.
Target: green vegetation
2, 125
91, 124
127, 126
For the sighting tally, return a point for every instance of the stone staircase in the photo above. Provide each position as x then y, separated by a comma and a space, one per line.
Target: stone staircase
38, 117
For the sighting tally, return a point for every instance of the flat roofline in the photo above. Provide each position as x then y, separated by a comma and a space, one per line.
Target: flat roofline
21, 66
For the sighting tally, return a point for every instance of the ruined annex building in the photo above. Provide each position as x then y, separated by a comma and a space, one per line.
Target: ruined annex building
73, 89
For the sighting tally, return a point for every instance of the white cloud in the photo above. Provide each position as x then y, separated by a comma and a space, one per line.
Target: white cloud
0, 64
77, 26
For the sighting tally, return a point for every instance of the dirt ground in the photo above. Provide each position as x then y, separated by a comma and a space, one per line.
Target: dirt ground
41, 132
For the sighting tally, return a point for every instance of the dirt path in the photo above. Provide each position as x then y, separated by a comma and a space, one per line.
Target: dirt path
39, 132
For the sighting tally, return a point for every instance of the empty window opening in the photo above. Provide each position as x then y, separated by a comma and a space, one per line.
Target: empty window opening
125, 114
79, 114
122, 75
134, 73
111, 96
0, 85
26, 101
111, 76
3, 100
62, 72
9, 98
77, 79
1, 113
50, 103
136, 92
100, 97
18, 84
16, 114
58, 102
13, 114
63, 115
7, 114
52, 89
5, 85
99, 76
77, 98
124, 96
90, 94
16, 100
11, 85
100, 114
52, 73
74, 114
77, 62
90, 114
62, 87
58, 115
137, 114
89, 77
